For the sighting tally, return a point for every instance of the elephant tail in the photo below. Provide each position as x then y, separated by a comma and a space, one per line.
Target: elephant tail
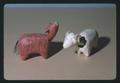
15, 48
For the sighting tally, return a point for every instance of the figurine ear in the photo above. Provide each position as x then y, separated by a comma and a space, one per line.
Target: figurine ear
76, 36
81, 41
67, 33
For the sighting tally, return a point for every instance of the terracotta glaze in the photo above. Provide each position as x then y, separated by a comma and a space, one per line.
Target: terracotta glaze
36, 42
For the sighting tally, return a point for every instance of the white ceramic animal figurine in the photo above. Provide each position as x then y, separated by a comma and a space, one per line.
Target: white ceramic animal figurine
85, 41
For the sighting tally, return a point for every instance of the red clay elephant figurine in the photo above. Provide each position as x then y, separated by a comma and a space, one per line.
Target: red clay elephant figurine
36, 42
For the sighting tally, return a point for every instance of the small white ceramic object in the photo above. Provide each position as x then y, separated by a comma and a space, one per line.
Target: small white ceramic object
86, 41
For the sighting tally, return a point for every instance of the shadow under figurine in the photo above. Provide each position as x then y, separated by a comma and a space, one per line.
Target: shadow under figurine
36, 42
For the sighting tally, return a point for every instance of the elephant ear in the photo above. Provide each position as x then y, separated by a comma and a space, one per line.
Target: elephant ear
81, 41
67, 33
75, 39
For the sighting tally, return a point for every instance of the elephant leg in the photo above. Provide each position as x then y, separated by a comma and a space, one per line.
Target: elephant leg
44, 51
76, 49
23, 54
87, 52
79, 51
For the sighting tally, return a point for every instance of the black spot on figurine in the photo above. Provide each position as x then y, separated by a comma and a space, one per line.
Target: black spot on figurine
81, 42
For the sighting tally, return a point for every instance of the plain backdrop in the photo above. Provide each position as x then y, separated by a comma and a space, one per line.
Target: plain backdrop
63, 64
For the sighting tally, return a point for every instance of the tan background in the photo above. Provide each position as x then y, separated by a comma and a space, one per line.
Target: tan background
63, 64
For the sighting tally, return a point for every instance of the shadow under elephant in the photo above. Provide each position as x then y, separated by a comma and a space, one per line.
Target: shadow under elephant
53, 48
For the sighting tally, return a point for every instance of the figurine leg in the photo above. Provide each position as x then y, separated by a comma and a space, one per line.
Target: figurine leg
44, 52
87, 52
76, 49
79, 52
45, 55
23, 54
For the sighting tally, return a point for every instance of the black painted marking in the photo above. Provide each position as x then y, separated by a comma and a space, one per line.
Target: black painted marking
81, 42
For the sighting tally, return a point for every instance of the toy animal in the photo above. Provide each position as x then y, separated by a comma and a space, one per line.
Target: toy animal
85, 41
36, 42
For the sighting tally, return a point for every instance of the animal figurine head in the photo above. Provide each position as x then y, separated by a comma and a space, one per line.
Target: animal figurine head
52, 30
69, 39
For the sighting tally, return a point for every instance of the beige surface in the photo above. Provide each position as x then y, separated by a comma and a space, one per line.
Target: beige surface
64, 64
